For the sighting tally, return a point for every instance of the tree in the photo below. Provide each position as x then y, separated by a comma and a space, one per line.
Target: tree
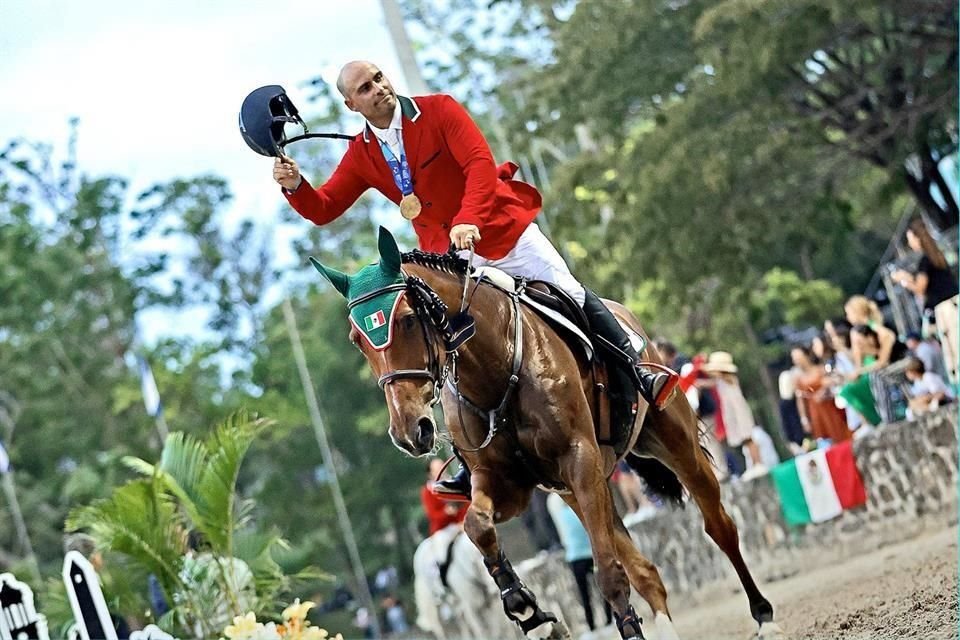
878, 78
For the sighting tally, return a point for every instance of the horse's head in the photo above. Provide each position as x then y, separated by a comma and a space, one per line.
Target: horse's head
392, 326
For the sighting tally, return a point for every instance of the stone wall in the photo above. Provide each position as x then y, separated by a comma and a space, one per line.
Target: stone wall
910, 473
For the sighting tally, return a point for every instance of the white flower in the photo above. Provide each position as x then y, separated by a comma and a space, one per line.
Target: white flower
247, 628
243, 627
298, 610
267, 632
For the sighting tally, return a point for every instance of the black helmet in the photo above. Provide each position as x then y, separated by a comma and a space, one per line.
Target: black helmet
262, 116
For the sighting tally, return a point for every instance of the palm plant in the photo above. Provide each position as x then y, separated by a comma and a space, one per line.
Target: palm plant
193, 489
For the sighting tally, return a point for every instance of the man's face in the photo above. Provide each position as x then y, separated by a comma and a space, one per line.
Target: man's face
368, 92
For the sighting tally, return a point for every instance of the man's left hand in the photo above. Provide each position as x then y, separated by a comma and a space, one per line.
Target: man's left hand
463, 235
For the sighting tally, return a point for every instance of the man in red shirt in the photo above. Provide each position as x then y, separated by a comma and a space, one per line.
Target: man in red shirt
440, 513
428, 156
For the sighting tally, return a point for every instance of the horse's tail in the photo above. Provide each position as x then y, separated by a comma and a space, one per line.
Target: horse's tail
660, 479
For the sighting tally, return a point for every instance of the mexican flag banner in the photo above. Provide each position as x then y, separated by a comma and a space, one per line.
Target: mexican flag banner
819, 485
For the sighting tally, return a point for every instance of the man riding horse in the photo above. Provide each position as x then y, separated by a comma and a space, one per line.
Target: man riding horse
427, 155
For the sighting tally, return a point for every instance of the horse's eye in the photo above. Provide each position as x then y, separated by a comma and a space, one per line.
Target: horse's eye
409, 322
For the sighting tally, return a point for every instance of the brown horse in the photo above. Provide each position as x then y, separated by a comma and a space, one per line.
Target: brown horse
538, 428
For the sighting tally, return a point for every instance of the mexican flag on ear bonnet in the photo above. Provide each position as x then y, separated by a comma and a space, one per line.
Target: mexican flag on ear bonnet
371, 313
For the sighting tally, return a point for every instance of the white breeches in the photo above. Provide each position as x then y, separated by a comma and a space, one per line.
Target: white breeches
535, 258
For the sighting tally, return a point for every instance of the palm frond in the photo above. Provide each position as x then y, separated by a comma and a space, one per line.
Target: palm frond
139, 521
216, 492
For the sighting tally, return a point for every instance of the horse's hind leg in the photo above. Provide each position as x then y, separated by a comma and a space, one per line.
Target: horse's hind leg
676, 443
642, 573
519, 603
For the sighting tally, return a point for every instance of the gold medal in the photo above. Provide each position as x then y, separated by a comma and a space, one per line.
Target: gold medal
410, 206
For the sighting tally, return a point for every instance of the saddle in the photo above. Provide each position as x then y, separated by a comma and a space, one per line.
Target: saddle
615, 397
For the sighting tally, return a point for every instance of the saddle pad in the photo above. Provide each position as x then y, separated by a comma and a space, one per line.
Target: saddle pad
507, 282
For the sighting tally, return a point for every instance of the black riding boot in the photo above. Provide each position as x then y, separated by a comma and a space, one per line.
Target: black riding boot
458, 487
655, 386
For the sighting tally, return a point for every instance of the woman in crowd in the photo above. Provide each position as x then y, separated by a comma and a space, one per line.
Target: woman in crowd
866, 346
862, 311
838, 335
935, 286
818, 413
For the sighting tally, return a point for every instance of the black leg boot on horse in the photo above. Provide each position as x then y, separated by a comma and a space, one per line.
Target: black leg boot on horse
520, 604
654, 382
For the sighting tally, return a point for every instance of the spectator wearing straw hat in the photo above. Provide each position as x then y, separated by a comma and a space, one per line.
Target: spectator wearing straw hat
737, 416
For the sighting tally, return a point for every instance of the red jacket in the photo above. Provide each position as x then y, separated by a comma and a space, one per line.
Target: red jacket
436, 509
453, 175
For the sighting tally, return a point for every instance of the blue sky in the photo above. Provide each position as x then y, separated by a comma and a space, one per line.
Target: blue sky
157, 86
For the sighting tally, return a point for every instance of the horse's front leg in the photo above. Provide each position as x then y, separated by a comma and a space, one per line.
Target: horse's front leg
582, 471
519, 603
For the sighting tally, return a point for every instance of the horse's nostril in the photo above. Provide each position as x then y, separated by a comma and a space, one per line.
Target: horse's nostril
425, 431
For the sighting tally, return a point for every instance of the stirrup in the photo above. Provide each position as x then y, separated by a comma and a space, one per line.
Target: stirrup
661, 397
458, 488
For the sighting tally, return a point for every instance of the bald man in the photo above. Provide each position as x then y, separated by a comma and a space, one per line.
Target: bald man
427, 156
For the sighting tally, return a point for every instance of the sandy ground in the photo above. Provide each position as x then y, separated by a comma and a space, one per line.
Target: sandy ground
907, 590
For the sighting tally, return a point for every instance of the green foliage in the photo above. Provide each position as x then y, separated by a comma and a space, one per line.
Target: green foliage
727, 168
193, 488
785, 298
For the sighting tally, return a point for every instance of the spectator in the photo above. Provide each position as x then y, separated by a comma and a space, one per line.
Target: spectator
935, 285
539, 524
394, 616
928, 390
737, 416
440, 513
702, 398
671, 357
928, 351
362, 621
768, 452
789, 409
577, 553
838, 333
856, 392
862, 311
820, 416
86, 546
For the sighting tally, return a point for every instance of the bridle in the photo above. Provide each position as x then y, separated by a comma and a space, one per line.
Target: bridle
431, 312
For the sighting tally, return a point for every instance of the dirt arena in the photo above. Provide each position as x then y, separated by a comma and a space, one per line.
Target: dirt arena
906, 590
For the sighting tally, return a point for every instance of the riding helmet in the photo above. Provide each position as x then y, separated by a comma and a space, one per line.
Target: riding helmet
262, 116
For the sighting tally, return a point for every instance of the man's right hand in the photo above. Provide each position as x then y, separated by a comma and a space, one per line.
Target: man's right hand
286, 173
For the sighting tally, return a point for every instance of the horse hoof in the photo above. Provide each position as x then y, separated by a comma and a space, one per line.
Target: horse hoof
770, 631
550, 631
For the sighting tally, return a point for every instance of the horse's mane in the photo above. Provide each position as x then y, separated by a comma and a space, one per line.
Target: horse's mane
445, 262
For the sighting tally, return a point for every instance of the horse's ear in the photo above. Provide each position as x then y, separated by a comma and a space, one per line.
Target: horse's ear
389, 251
340, 281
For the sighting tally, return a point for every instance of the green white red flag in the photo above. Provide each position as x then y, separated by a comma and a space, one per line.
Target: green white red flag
819, 485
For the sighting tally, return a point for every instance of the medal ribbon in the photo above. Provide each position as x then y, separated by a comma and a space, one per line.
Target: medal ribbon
399, 168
